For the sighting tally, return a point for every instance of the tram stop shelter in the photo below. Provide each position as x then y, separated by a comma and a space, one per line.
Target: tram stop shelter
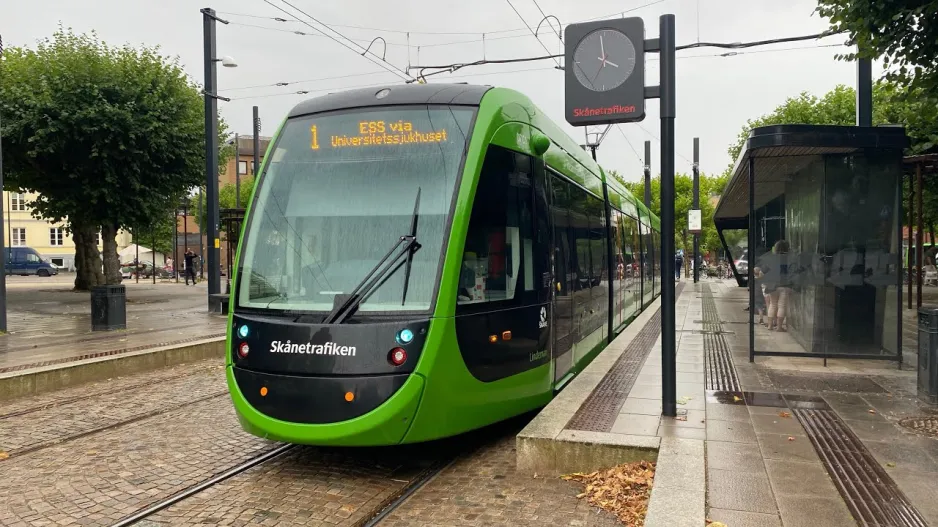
821, 210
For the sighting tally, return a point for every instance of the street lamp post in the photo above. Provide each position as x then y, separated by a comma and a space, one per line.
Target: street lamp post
209, 19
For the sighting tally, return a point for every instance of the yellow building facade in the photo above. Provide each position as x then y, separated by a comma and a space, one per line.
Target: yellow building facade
21, 229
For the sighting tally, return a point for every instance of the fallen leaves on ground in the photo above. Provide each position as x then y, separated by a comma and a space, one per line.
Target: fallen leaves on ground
3, 455
622, 490
715, 524
872, 411
737, 398
784, 414
684, 400
791, 438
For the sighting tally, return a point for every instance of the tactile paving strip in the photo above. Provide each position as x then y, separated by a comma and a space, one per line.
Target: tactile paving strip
721, 372
598, 413
871, 495
108, 353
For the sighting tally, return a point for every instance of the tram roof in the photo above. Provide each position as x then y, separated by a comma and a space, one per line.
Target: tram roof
459, 94
782, 150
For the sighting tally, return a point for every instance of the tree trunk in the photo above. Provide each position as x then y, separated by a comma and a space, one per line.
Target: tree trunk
87, 260
112, 263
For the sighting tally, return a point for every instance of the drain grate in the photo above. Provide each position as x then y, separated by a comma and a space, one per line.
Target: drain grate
871, 495
921, 424
720, 370
599, 411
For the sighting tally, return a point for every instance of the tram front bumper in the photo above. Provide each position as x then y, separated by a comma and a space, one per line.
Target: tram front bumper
326, 410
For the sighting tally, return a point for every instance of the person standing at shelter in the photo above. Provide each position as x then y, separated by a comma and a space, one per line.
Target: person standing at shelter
190, 266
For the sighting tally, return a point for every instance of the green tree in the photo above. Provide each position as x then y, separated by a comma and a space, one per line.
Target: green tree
904, 34
892, 104
226, 200
683, 193
109, 137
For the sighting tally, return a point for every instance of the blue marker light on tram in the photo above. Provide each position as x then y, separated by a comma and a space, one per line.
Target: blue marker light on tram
405, 336
243, 331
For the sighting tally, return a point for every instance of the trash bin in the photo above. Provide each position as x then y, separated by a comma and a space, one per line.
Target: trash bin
928, 354
108, 308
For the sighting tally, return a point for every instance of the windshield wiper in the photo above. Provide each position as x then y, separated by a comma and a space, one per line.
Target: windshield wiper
406, 245
410, 252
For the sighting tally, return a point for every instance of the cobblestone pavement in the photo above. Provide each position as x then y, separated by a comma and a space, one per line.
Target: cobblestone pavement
102, 477
484, 489
34, 403
307, 486
33, 430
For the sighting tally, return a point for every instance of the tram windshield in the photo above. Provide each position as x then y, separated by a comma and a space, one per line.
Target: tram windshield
339, 190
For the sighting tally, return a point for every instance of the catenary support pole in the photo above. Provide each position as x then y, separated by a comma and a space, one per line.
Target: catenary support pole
257, 145
648, 174
666, 38
211, 154
237, 140
201, 222
137, 258
696, 206
864, 92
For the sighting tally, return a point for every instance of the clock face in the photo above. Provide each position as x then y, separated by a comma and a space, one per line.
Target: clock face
603, 60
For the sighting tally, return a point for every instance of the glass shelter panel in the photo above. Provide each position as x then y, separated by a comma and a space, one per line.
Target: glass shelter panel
827, 255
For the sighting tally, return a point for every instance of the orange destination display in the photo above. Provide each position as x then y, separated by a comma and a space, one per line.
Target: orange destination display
379, 133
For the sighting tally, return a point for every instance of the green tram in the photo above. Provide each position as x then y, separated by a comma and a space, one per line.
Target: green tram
423, 260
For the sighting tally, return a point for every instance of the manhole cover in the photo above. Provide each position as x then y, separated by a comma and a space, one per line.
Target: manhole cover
923, 424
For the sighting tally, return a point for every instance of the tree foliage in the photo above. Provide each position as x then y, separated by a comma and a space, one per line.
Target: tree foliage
109, 138
904, 34
892, 104
683, 192
226, 199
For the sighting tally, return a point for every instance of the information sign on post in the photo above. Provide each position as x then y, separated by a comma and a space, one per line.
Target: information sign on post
693, 221
605, 71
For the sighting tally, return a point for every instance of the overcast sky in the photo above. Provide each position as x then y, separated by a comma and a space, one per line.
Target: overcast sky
715, 95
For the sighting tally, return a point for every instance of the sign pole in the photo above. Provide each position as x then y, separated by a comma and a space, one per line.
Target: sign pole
666, 39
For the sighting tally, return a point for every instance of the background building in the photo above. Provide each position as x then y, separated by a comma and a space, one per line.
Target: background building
49, 239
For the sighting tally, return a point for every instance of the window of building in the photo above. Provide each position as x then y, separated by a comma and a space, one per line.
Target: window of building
17, 201
18, 236
58, 262
57, 236
498, 259
242, 167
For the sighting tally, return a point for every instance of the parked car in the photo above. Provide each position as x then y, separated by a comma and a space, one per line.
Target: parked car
26, 261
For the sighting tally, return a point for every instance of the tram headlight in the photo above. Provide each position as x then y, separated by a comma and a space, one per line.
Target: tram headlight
243, 350
243, 331
405, 336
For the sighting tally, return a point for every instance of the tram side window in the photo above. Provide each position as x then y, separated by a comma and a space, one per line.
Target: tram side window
498, 258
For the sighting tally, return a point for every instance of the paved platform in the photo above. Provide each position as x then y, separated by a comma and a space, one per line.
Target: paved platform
50, 343
788, 442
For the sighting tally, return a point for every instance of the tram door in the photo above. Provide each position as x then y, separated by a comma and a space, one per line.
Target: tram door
564, 278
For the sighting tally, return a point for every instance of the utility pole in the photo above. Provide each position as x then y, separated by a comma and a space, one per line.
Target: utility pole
201, 224
211, 152
237, 172
5, 252
696, 206
864, 92
257, 146
666, 37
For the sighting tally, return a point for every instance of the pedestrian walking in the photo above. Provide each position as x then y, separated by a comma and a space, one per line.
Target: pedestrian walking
678, 261
190, 258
